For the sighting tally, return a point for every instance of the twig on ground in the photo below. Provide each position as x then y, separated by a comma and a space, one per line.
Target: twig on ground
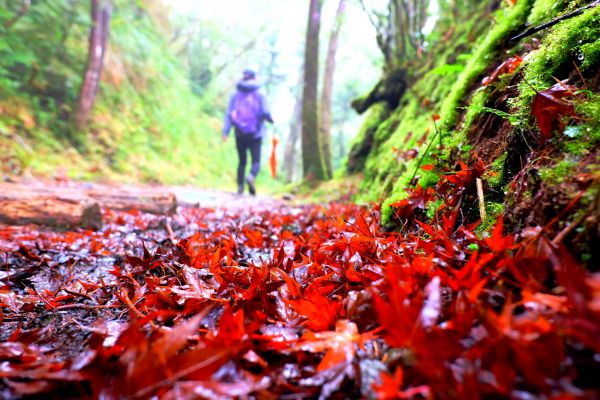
568, 229
170, 232
481, 198
86, 306
77, 294
585, 86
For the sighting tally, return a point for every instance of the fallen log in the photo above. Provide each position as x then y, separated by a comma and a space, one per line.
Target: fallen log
154, 201
16, 209
76, 206
146, 200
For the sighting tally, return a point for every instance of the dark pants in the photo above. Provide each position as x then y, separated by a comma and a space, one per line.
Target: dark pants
244, 144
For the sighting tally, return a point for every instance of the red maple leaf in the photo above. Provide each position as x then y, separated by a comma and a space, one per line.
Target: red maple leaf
339, 346
507, 67
550, 105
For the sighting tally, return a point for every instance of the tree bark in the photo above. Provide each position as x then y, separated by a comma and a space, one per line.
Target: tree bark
76, 207
98, 40
149, 201
326, 92
312, 161
51, 210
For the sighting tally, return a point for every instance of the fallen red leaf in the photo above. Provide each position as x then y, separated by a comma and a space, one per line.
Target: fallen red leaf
550, 105
309, 301
508, 66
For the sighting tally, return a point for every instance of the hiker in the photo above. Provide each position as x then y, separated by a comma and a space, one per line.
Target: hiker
247, 112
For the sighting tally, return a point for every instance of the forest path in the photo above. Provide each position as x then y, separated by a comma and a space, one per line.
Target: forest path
213, 198
185, 195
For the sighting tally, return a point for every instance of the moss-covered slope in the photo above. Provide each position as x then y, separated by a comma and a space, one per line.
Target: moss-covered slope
147, 123
527, 179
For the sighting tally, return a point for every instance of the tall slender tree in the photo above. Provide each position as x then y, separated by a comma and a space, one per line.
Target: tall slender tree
98, 41
312, 160
327, 90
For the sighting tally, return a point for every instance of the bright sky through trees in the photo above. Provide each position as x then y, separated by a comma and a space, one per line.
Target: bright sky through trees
280, 26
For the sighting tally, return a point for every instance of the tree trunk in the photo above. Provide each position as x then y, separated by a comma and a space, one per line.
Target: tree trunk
290, 156
312, 161
101, 13
327, 90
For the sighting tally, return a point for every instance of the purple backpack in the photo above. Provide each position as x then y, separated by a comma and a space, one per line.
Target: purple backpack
246, 112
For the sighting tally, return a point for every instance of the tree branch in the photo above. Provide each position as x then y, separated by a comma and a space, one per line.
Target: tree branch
553, 22
22, 11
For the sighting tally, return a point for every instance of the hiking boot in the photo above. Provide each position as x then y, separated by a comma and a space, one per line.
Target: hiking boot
251, 181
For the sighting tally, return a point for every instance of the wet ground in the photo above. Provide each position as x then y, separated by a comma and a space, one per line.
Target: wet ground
190, 196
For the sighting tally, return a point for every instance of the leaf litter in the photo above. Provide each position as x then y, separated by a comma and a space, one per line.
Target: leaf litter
305, 302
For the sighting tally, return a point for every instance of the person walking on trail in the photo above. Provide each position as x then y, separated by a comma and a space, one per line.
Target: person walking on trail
247, 112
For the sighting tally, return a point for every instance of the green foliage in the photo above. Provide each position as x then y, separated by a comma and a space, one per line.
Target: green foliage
590, 109
507, 21
448, 69
441, 90
493, 211
556, 174
574, 39
544, 10
147, 125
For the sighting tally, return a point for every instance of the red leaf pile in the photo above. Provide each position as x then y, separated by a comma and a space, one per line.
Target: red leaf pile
310, 302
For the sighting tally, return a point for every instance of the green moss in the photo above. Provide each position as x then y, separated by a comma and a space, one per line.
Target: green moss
567, 43
589, 109
432, 208
444, 90
495, 177
493, 212
411, 125
544, 10
558, 173
475, 108
507, 21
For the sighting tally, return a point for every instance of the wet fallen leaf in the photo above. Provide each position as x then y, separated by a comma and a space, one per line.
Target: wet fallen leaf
550, 105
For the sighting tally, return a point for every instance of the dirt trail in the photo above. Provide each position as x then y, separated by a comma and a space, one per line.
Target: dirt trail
210, 198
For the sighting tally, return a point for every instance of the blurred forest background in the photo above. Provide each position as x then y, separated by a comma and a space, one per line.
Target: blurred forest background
355, 88
168, 70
